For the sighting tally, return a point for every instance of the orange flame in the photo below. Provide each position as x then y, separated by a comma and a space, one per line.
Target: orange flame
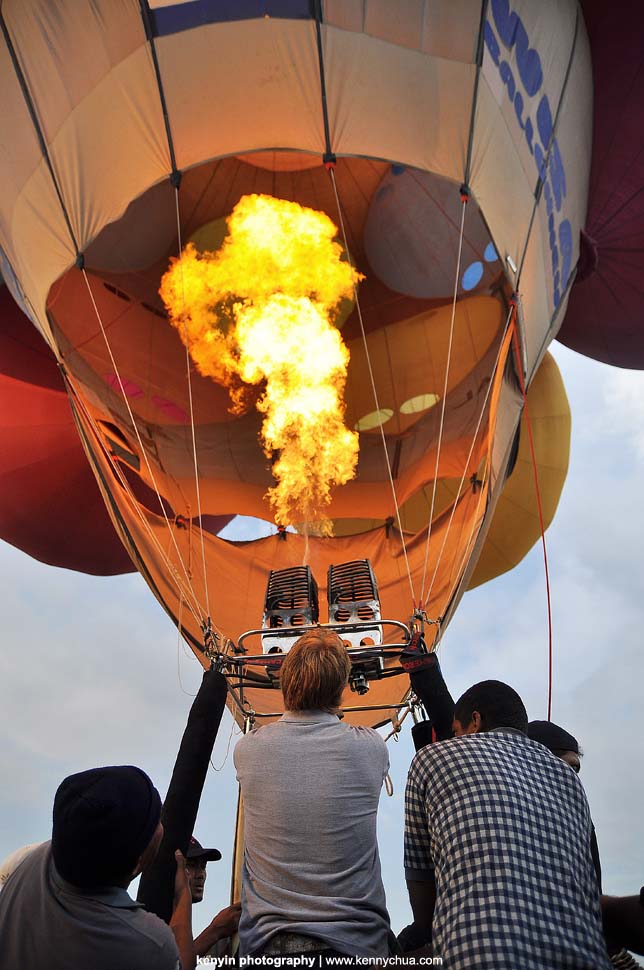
261, 310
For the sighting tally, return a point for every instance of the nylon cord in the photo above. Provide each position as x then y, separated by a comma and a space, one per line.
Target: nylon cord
197, 613
469, 456
179, 641
474, 528
136, 431
466, 553
373, 388
533, 455
444, 399
230, 738
192, 416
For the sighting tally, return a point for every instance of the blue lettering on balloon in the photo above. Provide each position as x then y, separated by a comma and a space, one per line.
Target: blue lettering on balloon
492, 44
526, 126
551, 177
540, 160
544, 121
552, 239
557, 174
513, 34
508, 79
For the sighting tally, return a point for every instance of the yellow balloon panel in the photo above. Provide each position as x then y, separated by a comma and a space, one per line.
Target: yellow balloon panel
414, 513
515, 526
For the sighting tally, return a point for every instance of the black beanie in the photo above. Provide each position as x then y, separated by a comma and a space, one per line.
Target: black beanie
552, 736
103, 820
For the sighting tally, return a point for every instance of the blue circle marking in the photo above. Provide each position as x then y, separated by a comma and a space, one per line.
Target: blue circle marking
472, 276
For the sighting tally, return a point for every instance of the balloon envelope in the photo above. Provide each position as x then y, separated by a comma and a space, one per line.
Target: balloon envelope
416, 103
604, 318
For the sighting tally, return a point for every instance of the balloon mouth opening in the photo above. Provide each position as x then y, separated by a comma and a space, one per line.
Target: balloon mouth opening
124, 356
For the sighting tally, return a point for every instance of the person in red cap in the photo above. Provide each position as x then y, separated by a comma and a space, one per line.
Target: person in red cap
196, 860
214, 939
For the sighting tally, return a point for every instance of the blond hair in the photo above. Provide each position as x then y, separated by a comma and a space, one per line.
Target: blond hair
315, 672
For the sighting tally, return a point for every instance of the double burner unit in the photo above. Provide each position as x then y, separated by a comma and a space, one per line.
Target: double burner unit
292, 607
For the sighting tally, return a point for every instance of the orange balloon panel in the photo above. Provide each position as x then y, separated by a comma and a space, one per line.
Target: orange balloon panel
237, 572
129, 371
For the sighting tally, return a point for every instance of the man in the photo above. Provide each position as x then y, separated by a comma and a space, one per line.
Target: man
196, 860
13, 860
624, 924
565, 746
225, 923
556, 739
311, 880
497, 845
66, 904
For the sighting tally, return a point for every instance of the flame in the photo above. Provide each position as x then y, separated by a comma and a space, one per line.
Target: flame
260, 311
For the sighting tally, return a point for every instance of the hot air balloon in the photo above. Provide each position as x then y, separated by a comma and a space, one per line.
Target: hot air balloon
448, 147
604, 318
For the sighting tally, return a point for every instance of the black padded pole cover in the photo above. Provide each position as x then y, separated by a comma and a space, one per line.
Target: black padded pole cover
179, 814
422, 734
430, 687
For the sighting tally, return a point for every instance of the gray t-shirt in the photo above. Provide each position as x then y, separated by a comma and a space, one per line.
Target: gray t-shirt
47, 924
311, 786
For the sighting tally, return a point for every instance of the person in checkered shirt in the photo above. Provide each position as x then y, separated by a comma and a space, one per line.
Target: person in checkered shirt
497, 836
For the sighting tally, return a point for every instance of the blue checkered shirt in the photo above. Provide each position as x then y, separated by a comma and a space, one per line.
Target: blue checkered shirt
504, 827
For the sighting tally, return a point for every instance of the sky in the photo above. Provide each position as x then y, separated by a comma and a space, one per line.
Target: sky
92, 673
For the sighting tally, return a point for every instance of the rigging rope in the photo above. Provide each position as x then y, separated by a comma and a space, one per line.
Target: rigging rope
469, 456
464, 198
331, 171
180, 640
533, 455
196, 609
192, 415
137, 433
230, 738
475, 524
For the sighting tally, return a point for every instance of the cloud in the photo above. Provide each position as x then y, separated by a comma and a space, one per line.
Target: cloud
623, 401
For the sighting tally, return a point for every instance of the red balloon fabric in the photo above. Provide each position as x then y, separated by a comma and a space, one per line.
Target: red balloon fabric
605, 317
50, 504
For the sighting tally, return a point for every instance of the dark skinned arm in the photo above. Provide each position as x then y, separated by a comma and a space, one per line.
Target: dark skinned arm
623, 918
222, 926
181, 919
422, 897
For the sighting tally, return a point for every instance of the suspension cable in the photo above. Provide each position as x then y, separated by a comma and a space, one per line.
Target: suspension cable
136, 430
180, 640
475, 523
464, 198
192, 413
533, 455
196, 610
515, 345
469, 456
468, 545
331, 171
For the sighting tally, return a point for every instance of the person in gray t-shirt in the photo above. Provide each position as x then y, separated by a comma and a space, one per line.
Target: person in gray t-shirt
311, 784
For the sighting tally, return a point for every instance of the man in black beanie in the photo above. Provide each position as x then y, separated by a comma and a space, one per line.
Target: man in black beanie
556, 739
66, 904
